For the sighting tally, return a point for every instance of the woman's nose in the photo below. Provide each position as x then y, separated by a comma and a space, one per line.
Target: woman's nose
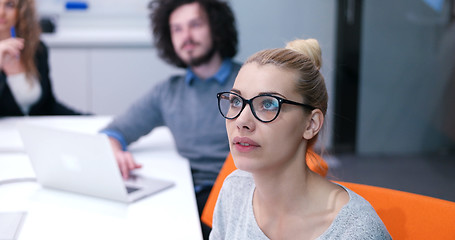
246, 120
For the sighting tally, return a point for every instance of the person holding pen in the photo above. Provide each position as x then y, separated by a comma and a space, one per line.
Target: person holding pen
25, 86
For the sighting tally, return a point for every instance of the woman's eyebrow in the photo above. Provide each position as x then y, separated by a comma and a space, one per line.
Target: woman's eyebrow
235, 90
272, 93
261, 93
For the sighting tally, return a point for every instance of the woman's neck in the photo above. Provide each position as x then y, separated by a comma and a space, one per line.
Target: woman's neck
281, 193
294, 202
278, 187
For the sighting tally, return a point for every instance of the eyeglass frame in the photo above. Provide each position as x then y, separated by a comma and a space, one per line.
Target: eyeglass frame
250, 102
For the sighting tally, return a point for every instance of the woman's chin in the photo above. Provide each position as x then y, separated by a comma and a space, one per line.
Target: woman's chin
246, 164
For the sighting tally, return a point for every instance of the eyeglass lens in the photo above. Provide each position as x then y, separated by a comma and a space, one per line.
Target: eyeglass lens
265, 108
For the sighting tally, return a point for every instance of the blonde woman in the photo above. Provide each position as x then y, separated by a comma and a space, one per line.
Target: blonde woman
25, 87
274, 113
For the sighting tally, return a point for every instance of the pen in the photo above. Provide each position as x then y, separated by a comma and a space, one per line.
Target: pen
13, 32
13, 35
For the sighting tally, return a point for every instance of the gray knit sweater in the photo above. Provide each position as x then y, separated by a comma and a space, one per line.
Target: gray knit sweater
191, 113
234, 218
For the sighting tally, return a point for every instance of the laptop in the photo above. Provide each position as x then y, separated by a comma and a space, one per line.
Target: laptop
82, 163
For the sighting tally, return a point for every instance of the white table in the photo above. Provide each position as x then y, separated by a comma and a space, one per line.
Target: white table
52, 214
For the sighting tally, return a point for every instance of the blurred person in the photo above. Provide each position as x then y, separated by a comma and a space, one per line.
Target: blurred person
200, 36
25, 86
274, 113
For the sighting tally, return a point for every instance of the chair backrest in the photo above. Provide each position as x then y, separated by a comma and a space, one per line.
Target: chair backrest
408, 215
314, 162
207, 213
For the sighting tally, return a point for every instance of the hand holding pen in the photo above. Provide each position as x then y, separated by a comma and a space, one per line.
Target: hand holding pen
10, 50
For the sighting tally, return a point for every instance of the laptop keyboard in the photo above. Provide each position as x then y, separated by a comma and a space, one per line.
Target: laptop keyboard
131, 189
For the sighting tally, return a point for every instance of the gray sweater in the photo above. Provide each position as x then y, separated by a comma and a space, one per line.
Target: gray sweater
233, 217
191, 113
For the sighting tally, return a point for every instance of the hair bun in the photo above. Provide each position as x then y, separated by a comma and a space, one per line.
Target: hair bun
309, 47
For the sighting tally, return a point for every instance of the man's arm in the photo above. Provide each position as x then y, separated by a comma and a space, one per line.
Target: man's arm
141, 117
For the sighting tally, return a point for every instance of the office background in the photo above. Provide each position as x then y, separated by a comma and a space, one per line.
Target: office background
102, 58
388, 67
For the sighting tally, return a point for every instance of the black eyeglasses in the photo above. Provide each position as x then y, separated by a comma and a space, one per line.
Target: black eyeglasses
265, 107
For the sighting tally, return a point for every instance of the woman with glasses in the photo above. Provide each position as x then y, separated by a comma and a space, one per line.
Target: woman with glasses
274, 114
25, 86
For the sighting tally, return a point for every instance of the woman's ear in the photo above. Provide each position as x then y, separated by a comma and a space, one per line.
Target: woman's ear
314, 124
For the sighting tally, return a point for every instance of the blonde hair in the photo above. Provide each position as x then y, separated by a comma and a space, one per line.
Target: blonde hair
309, 47
28, 28
304, 57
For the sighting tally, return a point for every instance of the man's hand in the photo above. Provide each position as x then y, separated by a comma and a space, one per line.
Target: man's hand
124, 159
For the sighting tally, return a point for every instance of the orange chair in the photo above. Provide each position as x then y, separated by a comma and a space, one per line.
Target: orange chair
406, 215
314, 162
207, 212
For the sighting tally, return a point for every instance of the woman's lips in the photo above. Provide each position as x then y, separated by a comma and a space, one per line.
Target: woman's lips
244, 144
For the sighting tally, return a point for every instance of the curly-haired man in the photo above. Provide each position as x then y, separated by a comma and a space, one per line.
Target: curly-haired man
201, 36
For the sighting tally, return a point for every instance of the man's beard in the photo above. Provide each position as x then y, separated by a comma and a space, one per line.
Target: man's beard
198, 61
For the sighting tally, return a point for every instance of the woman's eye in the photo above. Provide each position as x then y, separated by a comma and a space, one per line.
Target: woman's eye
10, 4
236, 102
269, 105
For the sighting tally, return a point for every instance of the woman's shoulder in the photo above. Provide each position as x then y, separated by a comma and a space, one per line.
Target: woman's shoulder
357, 205
357, 202
237, 181
42, 51
239, 176
235, 192
41, 46
358, 218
